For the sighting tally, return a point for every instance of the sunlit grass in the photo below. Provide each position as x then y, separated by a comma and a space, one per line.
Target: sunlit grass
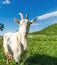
42, 50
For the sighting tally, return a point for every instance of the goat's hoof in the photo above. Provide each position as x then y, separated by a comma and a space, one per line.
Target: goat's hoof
16, 63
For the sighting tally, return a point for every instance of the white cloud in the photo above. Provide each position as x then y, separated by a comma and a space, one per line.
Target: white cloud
48, 15
6, 2
36, 24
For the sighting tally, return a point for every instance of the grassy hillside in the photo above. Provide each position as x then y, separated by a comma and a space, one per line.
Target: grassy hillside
42, 49
50, 30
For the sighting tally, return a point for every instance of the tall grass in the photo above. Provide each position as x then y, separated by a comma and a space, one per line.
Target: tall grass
42, 50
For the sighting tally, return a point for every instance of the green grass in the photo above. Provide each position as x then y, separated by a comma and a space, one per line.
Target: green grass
42, 48
50, 30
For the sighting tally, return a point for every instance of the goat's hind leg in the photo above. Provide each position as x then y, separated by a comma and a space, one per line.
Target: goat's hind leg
7, 60
9, 57
6, 55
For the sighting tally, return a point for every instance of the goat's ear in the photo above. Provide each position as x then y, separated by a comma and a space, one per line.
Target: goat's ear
33, 20
16, 20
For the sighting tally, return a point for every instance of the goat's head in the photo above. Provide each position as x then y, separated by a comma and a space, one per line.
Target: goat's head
24, 24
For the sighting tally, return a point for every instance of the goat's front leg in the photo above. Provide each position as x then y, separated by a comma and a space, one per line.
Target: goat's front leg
24, 58
7, 60
17, 58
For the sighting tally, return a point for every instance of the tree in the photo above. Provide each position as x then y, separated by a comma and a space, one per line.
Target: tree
1, 27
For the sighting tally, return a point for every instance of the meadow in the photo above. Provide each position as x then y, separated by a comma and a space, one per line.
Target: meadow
42, 50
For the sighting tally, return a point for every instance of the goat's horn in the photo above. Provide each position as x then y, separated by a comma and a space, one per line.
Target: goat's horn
22, 17
26, 16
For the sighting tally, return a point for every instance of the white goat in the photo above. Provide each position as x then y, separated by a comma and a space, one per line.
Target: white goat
15, 44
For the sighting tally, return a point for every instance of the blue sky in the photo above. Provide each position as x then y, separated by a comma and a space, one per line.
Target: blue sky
35, 8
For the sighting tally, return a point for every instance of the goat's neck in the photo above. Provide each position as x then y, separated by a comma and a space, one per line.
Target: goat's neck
23, 40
